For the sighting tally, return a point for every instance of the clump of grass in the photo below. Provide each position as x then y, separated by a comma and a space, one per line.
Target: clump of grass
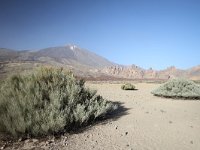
48, 101
179, 88
128, 86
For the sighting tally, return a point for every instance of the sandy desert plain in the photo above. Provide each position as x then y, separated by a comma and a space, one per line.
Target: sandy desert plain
142, 122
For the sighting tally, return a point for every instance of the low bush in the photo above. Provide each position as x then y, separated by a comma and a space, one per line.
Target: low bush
179, 88
128, 86
48, 101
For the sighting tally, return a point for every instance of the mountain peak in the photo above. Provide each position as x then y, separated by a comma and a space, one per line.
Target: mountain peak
73, 54
72, 46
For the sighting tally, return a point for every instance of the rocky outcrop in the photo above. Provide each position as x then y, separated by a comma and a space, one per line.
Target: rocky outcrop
123, 71
135, 72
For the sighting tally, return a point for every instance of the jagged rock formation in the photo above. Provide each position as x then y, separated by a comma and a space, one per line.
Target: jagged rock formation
135, 72
124, 71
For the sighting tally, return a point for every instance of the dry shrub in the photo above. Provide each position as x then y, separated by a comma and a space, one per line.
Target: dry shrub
48, 101
179, 88
128, 86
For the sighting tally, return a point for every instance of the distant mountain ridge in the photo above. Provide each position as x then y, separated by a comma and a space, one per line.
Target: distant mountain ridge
86, 64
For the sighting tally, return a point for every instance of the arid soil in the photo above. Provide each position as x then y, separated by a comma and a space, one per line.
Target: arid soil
143, 122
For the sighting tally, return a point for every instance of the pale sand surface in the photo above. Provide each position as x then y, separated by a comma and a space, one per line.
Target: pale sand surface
145, 123
151, 123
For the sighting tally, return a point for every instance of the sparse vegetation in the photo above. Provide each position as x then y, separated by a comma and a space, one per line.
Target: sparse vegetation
128, 86
179, 88
48, 101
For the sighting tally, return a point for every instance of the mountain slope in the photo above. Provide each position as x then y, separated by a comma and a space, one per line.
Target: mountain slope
82, 62
8, 54
64, 54
74, 54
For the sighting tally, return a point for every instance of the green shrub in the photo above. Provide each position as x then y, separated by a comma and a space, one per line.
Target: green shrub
128, 86
48, 101
179, 88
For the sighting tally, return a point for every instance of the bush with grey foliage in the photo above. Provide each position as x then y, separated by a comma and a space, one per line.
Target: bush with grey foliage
179, 88
48, 101
128, 86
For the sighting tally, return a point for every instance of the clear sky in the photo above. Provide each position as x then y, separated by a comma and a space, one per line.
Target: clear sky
148, 33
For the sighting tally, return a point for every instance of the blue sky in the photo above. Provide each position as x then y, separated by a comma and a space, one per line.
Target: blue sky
148, 33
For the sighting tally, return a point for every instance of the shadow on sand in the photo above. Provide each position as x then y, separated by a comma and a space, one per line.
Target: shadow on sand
119, 112
111, 116
131, 90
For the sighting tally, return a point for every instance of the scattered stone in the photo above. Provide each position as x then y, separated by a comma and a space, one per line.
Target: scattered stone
46, 143
162, 111
127, 145
147, 112
191, 142
126, 133
191, 126
27, 141
3, 147
34, 140
50, 142
116, 127
42, 143
170, 122
20, 139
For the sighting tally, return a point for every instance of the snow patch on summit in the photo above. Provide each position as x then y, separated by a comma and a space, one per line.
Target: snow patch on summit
72, 47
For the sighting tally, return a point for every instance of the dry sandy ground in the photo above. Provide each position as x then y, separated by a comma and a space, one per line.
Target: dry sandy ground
144, 122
